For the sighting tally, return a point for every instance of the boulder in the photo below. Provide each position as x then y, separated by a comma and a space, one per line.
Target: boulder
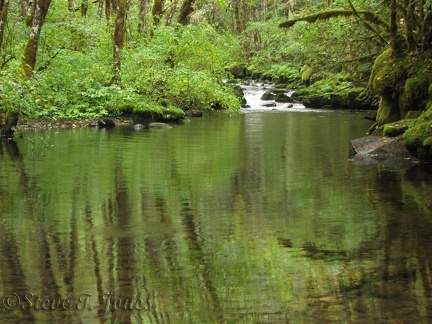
282, 97
238, 91
106, 123
374, 149
268, 95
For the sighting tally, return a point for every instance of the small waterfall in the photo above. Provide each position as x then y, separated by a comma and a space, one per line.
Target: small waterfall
253, 93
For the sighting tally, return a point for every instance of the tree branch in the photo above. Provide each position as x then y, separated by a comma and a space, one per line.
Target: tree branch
366, 15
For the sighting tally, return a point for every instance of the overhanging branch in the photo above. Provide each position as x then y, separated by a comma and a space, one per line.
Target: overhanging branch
324, 15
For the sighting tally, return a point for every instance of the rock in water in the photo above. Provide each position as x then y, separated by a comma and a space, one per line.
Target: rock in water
268, 95
159, 125
138, 126
389, 150
105, 123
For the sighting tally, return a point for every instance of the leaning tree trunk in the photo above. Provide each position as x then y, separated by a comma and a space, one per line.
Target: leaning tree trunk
119, 33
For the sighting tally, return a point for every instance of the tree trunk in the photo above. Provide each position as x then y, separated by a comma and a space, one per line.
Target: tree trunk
256, 32
185, 12
395, 43
119, 33
237, 20
10, 122
84, 8
31, 49
409, 24
243, 15
143, 11
107, 9
157, 11
4, 6
23, 8
100, 9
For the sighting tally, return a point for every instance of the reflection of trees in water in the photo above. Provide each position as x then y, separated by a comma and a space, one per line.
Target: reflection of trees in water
406, 238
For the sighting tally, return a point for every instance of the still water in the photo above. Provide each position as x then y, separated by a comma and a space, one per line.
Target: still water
257, 218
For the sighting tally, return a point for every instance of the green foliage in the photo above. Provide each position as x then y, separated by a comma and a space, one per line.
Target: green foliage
16, 94
185, 66
178, 68
322, 45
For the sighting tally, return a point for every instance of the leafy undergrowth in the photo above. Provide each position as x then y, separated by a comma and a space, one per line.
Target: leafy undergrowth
175, 70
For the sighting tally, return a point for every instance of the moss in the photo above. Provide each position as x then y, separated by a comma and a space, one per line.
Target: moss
396, 128
156, 112
388, 74
306, 73
403, 82
388, 111
417, 86
420, 133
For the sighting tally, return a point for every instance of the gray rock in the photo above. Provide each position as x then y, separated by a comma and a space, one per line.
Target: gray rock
381, 149
138, 126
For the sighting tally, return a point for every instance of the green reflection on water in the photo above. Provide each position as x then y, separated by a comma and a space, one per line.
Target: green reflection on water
254, 218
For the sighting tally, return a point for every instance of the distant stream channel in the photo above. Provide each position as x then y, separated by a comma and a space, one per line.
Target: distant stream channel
253, 218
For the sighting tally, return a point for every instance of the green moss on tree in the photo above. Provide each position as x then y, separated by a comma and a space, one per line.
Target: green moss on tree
402, 82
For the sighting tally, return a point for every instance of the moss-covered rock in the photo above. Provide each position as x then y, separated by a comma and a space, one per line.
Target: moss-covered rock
418, 137
396, 128
238, 70
147, 112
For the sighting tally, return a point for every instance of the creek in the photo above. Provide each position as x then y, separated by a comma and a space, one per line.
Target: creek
252, 218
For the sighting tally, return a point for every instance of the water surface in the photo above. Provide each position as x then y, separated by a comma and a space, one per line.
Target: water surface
257, 218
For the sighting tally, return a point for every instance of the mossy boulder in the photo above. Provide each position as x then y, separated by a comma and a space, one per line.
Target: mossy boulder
268, 95
238, 70
418, 136
395, 129
343, 97
282, 97
147, 112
